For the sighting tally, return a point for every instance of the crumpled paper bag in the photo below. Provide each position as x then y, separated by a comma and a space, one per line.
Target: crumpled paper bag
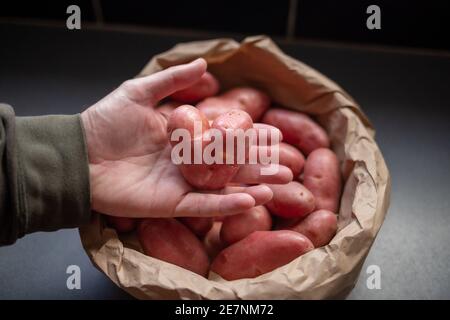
327, 272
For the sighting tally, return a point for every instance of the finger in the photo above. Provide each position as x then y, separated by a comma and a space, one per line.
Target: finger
258, 173
264, 154
272, 133
157, 86
208, 205
261, 193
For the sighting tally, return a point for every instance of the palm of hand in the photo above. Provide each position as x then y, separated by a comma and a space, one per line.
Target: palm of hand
130, 160
131, 172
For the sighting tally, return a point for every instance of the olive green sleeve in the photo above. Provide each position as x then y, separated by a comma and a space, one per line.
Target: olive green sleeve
44, 179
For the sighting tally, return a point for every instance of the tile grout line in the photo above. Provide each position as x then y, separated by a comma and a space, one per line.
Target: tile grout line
291, 19
98, 12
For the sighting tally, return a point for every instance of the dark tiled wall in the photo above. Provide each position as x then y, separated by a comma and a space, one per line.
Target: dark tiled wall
52, 10
238, 16
421, 23
403, 22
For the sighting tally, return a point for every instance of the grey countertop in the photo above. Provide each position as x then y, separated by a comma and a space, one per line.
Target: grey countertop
51, 70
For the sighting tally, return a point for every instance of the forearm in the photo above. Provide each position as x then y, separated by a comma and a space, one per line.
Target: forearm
44, 182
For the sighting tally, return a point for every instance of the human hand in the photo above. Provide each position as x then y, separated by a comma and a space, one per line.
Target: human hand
131, 172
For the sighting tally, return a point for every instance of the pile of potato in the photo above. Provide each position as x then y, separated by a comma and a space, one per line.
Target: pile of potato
301, 215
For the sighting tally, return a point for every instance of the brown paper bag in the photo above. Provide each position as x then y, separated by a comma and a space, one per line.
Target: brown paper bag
327, 272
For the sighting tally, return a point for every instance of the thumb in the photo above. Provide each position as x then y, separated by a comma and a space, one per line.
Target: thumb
157, 86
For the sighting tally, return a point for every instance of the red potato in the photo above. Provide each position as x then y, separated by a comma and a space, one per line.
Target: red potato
259, 253
228, 123
292, 158
237, 227
250, 100
169, 240
298, 129
323, 178
319, 227
122, 224
166, 108
207, 86
185, 117
291, 200
215, 106
198, 225
212, 242
255, 102
208, 176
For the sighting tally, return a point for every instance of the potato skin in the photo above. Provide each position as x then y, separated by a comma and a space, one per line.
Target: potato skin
323, 178
292, 158
203, 176
320, 227
198, 225
291, 200
250, 100
298, 129
166, 108
237, 227
184, 117
259, 253
233, 119
169, 240
212, 242
219, 218
207, 86
255, 102
122, 224
230, 122
208, 177
215, 106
